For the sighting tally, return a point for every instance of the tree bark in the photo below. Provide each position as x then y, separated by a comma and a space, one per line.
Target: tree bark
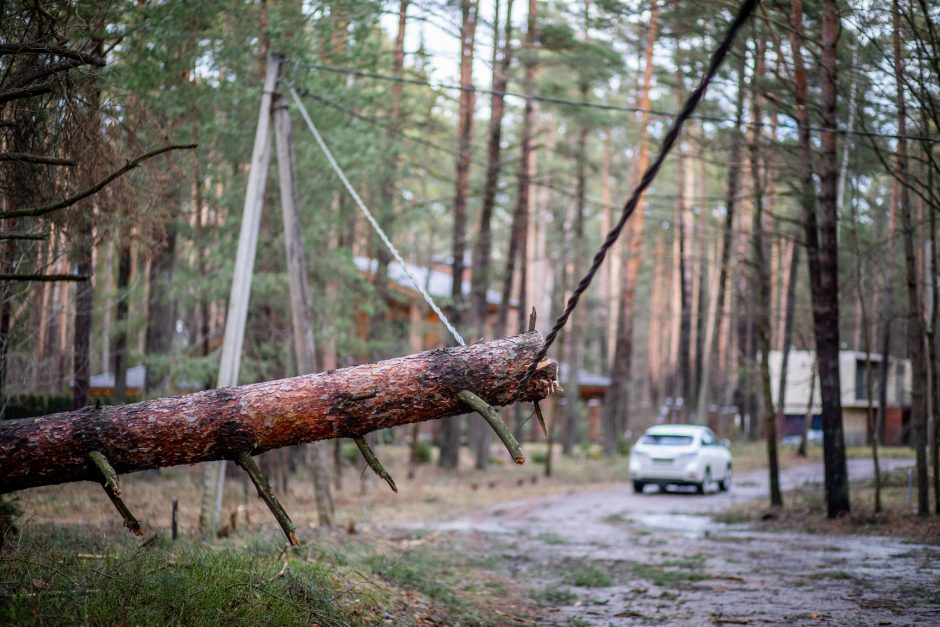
934, 353
822, 249
220, 424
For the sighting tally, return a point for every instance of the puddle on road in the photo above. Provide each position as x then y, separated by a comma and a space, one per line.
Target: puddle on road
689, 525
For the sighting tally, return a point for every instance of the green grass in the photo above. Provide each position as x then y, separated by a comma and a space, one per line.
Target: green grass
589, 576
182, 583
551, 538
556, 596
85, 575
923, 595
444, 576
670, 573
838, 575
616, 519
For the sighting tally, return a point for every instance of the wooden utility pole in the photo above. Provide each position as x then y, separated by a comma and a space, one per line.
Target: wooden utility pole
304, 349
214, 475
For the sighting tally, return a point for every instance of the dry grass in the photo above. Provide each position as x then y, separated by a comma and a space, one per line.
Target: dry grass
805, 510
363, 498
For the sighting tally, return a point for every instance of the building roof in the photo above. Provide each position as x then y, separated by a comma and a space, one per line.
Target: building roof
135, 380
437, 283
585, 378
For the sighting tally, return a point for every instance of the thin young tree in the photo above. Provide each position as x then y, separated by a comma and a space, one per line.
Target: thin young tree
480, 280
450, 429
761, 278
915, 322
727, 240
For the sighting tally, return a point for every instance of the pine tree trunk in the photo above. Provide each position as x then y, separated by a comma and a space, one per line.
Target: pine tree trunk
120, 321
220, 424
915, 321
617, 402
788, 317
517, 233
161, 311
480, 435
576, 326
762, 283
450, 445
822, 250
934, 352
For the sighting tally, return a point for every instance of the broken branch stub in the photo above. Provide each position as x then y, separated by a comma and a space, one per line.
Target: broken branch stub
496, 422
220, 424
250, 466
112, 487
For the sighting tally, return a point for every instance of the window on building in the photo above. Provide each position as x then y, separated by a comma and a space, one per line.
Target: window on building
861, 379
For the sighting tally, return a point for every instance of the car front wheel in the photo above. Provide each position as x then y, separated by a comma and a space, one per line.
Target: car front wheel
725, 484
638, 487
700, 488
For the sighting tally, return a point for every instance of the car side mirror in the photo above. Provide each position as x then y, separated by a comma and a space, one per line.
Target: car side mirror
725, 442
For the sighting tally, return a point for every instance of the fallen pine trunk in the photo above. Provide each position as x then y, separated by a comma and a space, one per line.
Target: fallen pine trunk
224, 423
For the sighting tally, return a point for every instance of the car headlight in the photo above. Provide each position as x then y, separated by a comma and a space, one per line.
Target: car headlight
638, 455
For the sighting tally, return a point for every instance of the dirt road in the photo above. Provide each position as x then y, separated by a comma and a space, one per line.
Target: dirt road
614, 557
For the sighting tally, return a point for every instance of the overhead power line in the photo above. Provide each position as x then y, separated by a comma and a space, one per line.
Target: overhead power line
584, 104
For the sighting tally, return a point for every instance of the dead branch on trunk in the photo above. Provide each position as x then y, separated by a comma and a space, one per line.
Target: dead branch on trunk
18, 93
112, 487
41, 159
13, 235
42, 278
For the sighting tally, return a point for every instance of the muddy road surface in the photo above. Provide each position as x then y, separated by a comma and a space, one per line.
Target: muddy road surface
614, 557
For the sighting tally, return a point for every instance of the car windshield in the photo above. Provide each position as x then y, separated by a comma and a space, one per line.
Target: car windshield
666, 439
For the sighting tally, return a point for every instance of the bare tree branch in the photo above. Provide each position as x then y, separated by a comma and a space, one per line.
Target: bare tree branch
28, 236
30, 158
44, 278
89, 59
25, 92
34, 74
97, 187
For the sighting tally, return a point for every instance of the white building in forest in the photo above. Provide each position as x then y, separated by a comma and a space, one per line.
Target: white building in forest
803, 385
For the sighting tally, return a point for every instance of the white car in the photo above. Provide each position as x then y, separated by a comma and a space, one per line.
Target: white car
680, 455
